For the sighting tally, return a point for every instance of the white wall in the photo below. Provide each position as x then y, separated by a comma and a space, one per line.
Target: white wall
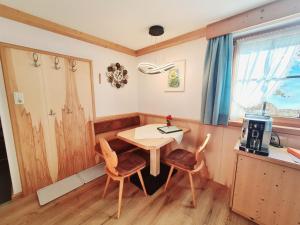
152, 97
109, 100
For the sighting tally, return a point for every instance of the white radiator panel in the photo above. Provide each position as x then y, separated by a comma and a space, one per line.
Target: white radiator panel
62, 187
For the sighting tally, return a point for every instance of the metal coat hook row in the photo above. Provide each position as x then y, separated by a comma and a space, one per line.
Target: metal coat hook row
73, 65
35, 59
56, 63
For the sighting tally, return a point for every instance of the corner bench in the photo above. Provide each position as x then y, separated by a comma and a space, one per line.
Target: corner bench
109, 128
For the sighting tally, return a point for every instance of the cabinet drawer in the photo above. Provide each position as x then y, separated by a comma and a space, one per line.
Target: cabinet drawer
266, 193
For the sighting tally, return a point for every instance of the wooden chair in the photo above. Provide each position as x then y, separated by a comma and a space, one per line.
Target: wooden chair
118, 168
190, 162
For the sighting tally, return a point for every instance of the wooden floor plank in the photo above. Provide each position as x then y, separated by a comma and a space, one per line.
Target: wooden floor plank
85, 206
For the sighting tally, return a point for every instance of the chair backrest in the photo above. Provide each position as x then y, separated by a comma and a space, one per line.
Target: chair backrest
110, 157
198, 155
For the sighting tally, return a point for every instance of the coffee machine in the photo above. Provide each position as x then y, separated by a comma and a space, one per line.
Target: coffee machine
256, 134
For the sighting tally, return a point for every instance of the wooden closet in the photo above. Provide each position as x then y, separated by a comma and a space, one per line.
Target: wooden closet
51, 104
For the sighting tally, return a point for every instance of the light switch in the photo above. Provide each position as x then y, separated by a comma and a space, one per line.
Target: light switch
19, 98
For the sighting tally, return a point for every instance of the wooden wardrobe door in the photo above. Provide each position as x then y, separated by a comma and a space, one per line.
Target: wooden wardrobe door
75, 133
84, 85
29, 119
55, 93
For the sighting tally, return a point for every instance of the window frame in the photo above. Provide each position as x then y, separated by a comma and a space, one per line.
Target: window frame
277, 120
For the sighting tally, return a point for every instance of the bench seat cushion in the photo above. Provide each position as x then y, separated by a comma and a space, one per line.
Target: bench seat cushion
117, 145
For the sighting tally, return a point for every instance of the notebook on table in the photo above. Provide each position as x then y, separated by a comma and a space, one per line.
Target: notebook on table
168, 129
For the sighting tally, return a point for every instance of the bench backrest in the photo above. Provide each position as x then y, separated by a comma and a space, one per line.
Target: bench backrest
116, 124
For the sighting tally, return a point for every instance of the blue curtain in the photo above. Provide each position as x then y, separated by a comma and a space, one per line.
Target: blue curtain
217, 80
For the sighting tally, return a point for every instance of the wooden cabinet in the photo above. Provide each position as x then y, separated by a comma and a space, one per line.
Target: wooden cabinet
52, 128
266, 190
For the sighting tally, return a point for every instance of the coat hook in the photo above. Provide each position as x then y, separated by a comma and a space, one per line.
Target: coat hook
35, 59
69, 110
73, 64
51, 113
56, 63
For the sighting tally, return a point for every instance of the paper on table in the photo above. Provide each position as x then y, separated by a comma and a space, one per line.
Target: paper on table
150, 132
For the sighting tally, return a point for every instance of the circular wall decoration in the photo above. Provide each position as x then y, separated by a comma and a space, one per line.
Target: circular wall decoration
117, 75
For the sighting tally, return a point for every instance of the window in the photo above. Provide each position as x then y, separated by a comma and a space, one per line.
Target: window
267, 70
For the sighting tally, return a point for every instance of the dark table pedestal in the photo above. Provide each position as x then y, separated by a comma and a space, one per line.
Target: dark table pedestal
152, 183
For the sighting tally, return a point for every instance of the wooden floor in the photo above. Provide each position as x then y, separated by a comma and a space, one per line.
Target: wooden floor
85, 206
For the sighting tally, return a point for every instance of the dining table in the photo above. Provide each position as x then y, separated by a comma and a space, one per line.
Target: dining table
149, 138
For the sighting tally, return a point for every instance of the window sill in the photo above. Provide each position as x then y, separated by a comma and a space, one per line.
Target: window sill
280, 125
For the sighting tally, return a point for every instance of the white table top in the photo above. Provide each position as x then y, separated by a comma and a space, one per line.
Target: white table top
148, 143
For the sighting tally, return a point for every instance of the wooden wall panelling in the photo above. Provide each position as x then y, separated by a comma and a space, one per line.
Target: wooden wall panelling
229, 140
220, 157
213, 152
27, 126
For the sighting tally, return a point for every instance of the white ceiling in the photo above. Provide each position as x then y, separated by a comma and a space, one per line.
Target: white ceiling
126, 22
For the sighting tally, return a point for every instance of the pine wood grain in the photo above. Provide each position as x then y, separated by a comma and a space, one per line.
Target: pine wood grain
53, 146
271, 193
86, 206
28, 133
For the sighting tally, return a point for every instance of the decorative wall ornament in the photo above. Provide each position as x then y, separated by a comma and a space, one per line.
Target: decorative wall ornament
175, 77
150, 68
117, 75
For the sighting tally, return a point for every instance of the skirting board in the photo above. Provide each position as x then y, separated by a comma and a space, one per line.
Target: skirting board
62, 187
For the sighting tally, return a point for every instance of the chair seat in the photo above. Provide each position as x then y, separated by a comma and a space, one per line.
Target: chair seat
129, 163
117, 145
181, 158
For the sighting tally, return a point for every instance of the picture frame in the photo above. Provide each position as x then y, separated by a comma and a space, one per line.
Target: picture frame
175, 77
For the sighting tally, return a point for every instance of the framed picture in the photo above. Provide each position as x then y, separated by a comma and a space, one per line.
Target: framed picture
175, 77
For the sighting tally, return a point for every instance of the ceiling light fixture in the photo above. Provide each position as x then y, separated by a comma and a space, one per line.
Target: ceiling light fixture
150, 68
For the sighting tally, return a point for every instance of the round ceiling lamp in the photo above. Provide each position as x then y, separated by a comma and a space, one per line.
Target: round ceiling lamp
156, 30
150, 68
